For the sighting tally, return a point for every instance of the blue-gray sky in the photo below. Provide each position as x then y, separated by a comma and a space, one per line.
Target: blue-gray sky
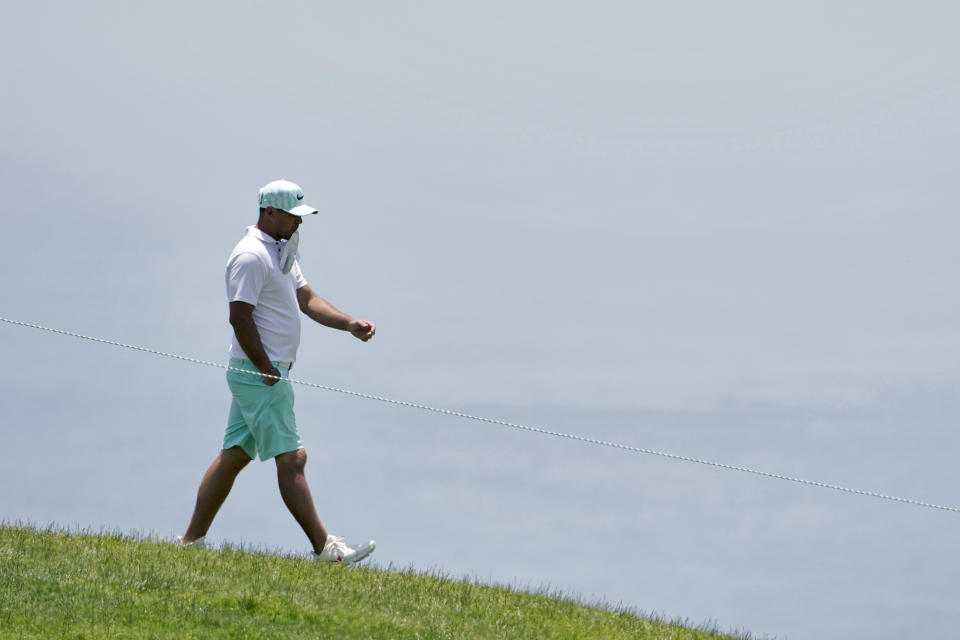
725, 231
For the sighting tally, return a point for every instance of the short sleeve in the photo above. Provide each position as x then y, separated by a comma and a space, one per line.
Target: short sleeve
298, 280
246, 276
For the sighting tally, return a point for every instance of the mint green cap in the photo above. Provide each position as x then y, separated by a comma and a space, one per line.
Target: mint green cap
283, 194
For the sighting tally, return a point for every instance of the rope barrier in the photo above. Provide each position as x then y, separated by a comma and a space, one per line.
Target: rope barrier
512, 425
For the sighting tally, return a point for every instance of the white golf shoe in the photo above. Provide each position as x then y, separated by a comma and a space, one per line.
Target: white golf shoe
336, 550
200, 543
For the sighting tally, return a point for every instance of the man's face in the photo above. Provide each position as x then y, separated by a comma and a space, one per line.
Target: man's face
286, 223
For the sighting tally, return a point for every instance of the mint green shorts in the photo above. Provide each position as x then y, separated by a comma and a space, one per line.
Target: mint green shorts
261, 418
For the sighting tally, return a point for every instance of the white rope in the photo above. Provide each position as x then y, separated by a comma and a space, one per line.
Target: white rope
512, 425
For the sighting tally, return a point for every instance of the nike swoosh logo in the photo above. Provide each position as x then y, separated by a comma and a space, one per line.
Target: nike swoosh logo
300, 197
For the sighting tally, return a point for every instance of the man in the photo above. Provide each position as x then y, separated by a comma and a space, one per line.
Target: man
266, 291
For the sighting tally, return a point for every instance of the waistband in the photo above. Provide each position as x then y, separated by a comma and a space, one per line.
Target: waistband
239, 363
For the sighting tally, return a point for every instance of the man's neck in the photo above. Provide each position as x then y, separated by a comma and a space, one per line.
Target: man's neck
264, 231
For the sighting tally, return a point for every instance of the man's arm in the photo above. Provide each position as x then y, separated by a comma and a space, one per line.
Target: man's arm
319, 310
241, 319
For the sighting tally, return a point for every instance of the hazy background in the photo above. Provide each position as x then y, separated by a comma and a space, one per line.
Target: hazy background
723, 230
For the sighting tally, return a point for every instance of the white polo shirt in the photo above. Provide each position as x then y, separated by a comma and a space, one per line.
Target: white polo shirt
254, 276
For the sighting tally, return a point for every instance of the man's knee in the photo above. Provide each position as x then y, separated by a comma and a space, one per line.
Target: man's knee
292, 460
234, 458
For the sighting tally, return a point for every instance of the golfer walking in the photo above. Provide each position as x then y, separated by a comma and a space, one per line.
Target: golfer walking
266, 292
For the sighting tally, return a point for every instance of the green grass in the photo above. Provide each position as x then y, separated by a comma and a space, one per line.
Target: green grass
61, 585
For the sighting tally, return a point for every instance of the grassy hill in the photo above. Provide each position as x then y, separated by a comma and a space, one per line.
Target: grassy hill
57, 585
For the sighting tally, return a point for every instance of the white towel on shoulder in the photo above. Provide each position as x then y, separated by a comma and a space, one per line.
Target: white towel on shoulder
288, 253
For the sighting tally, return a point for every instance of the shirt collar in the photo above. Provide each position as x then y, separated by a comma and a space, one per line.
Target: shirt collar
260, 235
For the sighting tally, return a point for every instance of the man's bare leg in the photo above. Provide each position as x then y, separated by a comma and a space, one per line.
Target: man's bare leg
214, 488
296, 495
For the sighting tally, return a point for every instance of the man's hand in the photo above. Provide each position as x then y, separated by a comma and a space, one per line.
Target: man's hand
362, 329
241, 318
319, 310
272, 371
